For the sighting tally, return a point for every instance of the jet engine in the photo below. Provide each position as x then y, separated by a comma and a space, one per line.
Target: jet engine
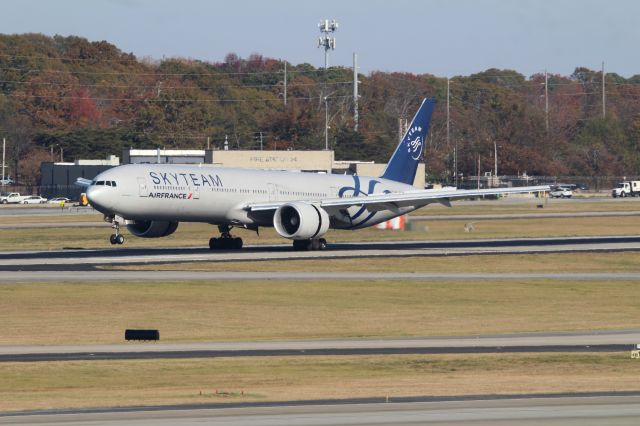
151, 228
300, 221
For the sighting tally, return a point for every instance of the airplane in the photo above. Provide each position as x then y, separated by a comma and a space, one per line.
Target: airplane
152, 199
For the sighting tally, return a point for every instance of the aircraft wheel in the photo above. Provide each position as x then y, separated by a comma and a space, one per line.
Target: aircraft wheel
120, 239
112, 239
323, 243
301, 245
237, 243
214, 243
315, 245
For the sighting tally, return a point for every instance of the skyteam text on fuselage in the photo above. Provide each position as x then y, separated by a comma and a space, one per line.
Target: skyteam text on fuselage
151, 199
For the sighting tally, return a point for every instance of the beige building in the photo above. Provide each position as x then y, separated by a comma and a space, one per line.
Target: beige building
305, 161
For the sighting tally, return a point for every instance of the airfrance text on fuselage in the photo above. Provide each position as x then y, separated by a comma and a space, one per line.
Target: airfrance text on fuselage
182, 196
189, 179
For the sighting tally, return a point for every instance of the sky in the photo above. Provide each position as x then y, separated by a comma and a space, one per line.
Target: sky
440, 37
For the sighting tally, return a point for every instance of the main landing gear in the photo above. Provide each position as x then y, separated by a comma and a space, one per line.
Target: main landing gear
313, 244
226, 240
117, 237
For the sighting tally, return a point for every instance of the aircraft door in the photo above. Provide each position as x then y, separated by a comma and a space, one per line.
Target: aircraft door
273, 191
143, 189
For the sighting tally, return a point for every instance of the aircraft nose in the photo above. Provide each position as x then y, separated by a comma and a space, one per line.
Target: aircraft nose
99, 199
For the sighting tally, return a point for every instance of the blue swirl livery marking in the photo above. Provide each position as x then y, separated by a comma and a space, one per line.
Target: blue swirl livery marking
355, 191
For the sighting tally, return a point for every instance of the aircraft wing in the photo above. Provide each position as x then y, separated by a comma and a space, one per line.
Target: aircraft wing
391, 201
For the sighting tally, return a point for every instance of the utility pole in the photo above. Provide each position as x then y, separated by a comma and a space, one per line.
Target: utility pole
326, 124
546, 100
604, 113
208, 142
495, 159
447, 112
455, 162
61, 156
285, 83
4, 142
478, 171
260, 141
402, 128
355, 92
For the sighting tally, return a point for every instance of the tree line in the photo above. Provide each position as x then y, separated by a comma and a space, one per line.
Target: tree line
89, 99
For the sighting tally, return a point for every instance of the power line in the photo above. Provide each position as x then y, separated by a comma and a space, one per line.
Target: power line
162, 100
149, 87
189, 74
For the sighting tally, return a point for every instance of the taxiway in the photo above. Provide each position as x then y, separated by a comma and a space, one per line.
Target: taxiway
550, 410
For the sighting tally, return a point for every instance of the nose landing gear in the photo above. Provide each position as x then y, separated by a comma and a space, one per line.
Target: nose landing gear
226, 240
117, 237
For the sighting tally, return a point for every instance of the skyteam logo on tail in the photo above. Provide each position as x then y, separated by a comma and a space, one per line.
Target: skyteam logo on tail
403, 164
414, 145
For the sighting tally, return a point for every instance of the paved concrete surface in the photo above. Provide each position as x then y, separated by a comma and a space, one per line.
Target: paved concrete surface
567, 411
531, 340
124, 255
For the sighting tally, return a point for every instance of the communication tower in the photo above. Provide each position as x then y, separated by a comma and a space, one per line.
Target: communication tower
327, 28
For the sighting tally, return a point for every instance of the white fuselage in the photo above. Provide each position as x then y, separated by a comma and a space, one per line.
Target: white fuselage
220, 195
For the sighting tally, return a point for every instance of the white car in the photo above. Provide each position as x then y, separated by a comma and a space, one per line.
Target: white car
58, 200
34, 199
561, 193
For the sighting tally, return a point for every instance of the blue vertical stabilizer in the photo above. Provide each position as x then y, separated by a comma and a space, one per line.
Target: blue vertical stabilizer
404, 161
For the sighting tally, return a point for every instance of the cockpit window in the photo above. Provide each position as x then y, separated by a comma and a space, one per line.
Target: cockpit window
111, 183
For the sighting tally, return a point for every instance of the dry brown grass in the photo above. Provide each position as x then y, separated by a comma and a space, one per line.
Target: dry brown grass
231, 311
123, 383
504, 263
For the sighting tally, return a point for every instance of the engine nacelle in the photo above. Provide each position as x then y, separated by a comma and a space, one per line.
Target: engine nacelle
152, 228
300, 221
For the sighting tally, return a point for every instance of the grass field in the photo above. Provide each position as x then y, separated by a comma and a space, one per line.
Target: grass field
44, 385
231, 311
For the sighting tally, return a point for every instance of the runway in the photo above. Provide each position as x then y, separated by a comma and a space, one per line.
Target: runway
550, 410
75, 259
592, 341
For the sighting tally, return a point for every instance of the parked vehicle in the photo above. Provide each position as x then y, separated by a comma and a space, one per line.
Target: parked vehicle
34, 199
7, 181
11, 198
626, 189
560, 192
58, 200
